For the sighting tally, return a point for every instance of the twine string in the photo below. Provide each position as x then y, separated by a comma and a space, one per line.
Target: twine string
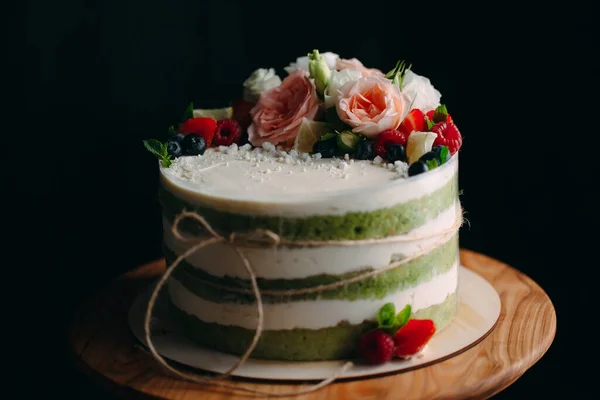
268, 238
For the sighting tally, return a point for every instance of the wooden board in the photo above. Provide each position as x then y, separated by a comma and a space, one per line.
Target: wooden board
103, 346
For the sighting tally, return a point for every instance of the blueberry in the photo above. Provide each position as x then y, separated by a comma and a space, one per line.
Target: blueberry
174, 148
193, 144
438, 152
364, 150
327, 148
396, 152
417, 168
179, 137
430, 155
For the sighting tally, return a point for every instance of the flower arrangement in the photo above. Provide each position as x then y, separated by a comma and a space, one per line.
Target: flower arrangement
330, 106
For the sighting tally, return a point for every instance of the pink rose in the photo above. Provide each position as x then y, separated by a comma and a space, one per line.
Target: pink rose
354, 63
277, 116
371, 105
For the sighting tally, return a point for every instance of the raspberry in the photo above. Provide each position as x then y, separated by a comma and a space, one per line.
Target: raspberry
376, 346
412, 337
447, 135
204, 127
439, 118
228, 132
388, 137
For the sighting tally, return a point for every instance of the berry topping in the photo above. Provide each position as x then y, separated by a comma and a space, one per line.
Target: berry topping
412, 337
326, 145
447, 135
376, 346
365, 150
174, 147
414, 121
396, 152
417, 168
227, 133
204, 127
441, 153
193, 144
387, 138
440, 114
178, 136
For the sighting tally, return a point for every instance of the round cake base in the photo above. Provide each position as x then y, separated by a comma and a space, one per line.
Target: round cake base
478, 311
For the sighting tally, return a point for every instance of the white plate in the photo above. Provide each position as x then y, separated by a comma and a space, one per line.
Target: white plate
478, 312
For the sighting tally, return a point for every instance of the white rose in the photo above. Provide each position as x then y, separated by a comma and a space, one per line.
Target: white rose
302, 62
260, 81
336, 81
420, 91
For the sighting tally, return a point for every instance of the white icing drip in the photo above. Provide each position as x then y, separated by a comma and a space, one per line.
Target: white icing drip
312, 314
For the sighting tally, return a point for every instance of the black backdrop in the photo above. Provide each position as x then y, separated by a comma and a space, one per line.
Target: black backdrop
94, 78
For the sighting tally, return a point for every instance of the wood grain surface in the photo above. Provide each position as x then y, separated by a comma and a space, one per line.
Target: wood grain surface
103, 346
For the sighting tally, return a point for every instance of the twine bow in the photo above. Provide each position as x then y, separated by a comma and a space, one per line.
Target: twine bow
267, 238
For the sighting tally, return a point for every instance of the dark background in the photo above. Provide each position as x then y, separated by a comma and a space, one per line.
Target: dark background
93, 79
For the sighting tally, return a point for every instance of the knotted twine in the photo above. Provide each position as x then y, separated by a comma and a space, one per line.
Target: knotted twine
263, 237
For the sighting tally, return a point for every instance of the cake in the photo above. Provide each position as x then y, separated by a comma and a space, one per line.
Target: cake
352, 171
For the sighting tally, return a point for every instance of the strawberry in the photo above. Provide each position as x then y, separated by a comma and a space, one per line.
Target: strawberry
204, 127
412, 337
414, 121
440, 114
447, 135
376, 346
388, 137
241, 112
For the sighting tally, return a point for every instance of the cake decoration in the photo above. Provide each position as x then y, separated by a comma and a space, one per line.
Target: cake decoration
396, 335
293, 213
330, 106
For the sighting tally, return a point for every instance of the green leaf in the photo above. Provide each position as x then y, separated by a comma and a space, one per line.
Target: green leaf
172, 131
431, 164
430, 123
440, 114
402, 317
188, 113
160, 150
386, 316
154, 146
333, 120
444, 153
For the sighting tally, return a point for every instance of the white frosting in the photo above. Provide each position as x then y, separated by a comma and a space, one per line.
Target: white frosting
312, 314
273, 182
296, 262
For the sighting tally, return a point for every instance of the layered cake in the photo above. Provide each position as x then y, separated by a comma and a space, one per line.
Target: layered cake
353, 171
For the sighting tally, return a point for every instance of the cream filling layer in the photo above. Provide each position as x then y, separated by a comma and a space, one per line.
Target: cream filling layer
312, 314
268, 183
297, 262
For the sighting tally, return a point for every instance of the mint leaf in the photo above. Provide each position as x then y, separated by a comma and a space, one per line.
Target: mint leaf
333, 120
188, 113
154, 146
160, 150
402, 317
444, 152
386, 316
431, 164
172, 131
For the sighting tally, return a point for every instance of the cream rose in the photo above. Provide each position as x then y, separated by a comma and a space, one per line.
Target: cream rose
277, 116
371, 105
420, 91
336, 81
260, 81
